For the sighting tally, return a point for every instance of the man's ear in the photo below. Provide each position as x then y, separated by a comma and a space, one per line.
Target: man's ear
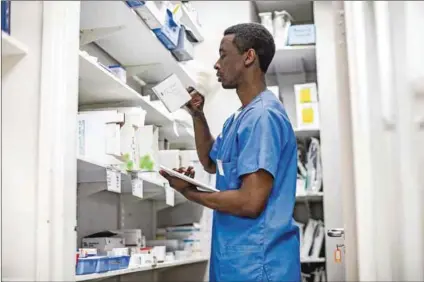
250, 57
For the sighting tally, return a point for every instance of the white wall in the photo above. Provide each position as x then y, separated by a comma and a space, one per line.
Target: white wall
20, 120
215, 18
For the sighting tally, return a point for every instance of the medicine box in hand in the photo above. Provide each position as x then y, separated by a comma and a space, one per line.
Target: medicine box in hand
172, 93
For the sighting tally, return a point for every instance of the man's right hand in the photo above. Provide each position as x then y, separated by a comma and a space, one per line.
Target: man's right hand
195, 105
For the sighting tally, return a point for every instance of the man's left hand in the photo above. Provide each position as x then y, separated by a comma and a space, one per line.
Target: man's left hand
177, 183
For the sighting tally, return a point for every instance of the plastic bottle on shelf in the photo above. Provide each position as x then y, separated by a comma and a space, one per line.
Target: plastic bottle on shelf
281, 23
266, 21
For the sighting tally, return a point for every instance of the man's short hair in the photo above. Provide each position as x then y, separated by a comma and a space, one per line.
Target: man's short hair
257, 37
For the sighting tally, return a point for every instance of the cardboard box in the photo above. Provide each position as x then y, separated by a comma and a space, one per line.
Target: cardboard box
170, 158
132, 237
168, 34
303, 34
147, 139
103, 245
153, 13
172, 93
98, 136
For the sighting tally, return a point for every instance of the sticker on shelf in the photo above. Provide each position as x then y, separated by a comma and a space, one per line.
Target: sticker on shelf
81, 137
169, 195
137, 186
113, 180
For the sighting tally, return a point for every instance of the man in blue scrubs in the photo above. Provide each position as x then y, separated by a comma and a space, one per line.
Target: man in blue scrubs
254, 237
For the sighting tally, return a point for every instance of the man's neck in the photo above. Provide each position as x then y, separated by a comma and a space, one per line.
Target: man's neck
248, 90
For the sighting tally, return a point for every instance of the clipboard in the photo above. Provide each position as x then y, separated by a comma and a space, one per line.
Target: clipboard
200, 186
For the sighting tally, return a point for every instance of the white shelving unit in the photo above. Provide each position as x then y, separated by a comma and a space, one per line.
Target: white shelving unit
120, 34
99, 87
294, 59
297, 65
130, 41
163, 265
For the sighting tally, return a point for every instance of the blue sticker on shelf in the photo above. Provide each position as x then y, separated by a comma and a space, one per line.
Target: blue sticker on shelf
5, 16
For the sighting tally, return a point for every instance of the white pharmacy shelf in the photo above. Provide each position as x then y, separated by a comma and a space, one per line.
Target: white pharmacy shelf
294, 59
153, 184
312, 260
99, 87
311, 197
140, 269
10, 46
133, 45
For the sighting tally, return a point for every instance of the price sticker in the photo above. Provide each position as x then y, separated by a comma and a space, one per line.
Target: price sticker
338, 255
113, 180
137, 185
169, 195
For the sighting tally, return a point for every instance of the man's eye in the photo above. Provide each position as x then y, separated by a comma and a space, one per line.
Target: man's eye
222, 57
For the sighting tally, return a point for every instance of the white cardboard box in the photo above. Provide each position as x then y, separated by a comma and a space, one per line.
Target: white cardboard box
132, 237
98, 134
103, 245
172, 93
147, 139
170, 158
153, 13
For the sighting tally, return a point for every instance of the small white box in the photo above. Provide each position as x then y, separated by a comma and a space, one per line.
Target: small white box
97, 133
307, 116
133, 237
302, 34
119, 72
170, 158
148, 144
306, 93
172, 93
153, 13
104, 244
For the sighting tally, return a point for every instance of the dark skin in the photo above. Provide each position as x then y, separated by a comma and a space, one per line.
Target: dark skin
240, 71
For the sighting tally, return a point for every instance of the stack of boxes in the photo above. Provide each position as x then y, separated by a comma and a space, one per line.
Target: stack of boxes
116, 136
307, 107
189, 238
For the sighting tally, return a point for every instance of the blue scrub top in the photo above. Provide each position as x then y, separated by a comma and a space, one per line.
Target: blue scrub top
260, 136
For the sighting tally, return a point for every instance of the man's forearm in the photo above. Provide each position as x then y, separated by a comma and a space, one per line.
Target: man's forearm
232, 202
204, 142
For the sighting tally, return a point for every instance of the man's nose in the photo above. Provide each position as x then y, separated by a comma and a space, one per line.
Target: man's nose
216, 66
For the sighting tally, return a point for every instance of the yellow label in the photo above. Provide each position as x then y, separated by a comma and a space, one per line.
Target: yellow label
307, 115
305, 95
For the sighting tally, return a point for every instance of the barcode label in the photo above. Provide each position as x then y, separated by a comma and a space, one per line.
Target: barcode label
81, 137
113, 179
137, 186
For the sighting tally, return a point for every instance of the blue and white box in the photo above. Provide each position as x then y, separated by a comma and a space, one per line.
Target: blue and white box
168, 34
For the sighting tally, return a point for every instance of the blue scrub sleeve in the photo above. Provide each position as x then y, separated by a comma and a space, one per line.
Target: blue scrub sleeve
260, 139
213, 154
